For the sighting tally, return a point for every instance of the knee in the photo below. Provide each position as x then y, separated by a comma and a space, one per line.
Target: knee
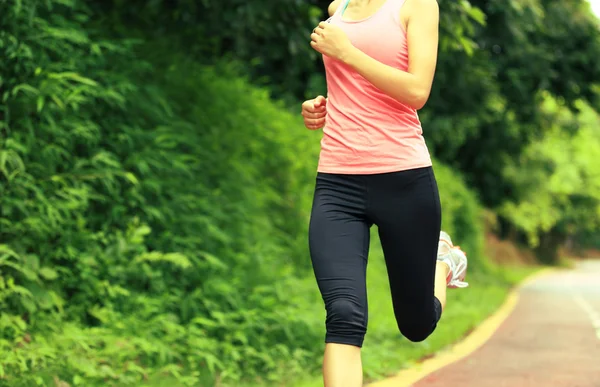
416, 333
346, 322
422, 325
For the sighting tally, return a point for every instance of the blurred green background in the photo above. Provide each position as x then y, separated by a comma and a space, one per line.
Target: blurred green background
156, 182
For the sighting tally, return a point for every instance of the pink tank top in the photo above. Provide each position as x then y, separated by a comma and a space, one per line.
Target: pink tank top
366, 131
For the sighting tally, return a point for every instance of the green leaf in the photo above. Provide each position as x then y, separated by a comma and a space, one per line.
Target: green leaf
28, 304
213, 261
48, 273
25, 88
73, 77
40, 103
132, 178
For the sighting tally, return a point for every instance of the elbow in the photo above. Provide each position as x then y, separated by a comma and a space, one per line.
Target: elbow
419, 99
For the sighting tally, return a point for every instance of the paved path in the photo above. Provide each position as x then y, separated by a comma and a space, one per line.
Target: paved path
552, 338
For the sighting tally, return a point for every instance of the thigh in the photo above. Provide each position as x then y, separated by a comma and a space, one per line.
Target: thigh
339, 239
408, 215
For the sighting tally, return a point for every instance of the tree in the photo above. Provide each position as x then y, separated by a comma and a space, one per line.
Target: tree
486, 106
498, 59
557, 179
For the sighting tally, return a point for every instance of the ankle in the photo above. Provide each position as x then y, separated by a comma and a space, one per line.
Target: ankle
443, 267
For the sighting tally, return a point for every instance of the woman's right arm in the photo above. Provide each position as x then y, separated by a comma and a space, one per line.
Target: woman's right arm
333, 7
314, 111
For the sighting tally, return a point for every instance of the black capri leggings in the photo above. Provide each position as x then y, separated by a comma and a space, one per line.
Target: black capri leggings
405, 206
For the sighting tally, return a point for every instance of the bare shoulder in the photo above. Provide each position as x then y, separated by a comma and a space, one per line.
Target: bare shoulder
421, 6
333, 6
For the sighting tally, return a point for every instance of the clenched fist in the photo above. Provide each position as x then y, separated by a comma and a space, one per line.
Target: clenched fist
314, 112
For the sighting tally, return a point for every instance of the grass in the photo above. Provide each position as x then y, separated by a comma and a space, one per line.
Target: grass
385, 351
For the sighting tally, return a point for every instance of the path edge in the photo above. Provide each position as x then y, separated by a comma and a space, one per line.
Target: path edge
473, 341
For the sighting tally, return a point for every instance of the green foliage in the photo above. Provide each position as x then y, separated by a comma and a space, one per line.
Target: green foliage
153, 215
495, 59
559, 186
153, 209
269, 37
133, 224
462, 215
485, 106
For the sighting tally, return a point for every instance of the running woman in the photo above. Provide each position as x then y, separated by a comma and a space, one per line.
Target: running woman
375, 168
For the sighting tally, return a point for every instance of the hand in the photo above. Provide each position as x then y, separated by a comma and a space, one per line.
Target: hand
330, 40
314, 112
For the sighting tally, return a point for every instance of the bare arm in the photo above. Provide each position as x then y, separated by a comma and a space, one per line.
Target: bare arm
412, 87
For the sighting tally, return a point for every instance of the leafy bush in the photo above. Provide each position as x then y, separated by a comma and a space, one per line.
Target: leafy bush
136, 212
153, 213
557, 179
462, 215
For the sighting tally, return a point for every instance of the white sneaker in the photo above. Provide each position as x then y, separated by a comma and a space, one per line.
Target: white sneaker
456, 260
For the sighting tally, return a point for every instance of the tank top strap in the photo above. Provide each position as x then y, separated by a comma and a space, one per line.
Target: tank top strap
340, 10
395, 6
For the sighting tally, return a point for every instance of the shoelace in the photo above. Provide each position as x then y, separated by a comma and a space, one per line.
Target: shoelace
455, 281
457, 267
458, 247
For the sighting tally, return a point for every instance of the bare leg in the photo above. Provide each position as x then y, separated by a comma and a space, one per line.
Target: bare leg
441, 274
342, 366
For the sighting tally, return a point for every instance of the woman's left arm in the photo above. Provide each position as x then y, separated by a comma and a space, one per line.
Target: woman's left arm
414, 86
